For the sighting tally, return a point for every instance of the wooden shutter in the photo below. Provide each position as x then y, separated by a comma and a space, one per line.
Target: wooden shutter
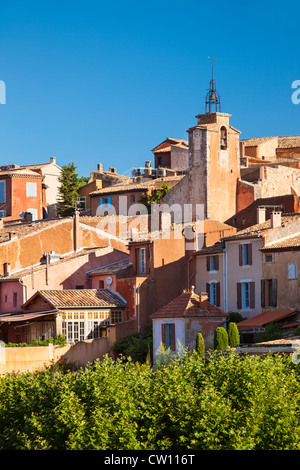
208, 290
172, 328
263, 292
273, 300
241, 255
136, 260
249, 253
239, 295
163, 334
252, 294
217, 262
208, 263
218, 294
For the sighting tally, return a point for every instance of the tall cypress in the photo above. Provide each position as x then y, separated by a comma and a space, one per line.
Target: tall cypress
233, 335
220, 338
68, 190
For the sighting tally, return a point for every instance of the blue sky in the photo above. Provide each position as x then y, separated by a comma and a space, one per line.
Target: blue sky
105, 82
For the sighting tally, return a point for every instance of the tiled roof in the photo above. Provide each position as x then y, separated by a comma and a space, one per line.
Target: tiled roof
21, 172
289, 141
42, 267
285, 244
216, 248
11, 317
82, 298
258, 321
189, 304
256, 140
111, 268
258, 230
120, 188
181, 143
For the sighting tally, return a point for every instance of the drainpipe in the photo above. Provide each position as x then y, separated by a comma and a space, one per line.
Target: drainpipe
225, 279
24, 289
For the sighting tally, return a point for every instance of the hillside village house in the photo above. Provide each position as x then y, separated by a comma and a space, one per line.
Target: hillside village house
21, 192
236, 272
76, 314
177, 324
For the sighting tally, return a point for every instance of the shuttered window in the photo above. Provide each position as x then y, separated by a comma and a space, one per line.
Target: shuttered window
168, 335
245, 254
212, 263
269, 293
245, 295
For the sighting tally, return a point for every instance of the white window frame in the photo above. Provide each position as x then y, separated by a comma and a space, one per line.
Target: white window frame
31, 188
142, 261
213, 292
245, 259
268, 254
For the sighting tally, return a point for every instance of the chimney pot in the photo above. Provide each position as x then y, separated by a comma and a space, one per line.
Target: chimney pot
275, 219
52, 159
261, 215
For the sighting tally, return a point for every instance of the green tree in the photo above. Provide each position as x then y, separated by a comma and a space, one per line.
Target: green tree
155, 197
220, 338
68, 190
200, 346
233, 335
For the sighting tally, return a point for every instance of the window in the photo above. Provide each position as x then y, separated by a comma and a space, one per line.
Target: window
269, 292
223, 138
142, 260
168, 335
34, 213
245, 295
81, 203
213, 290
105, 202
292, 271
15, 299
269, 258
116, 317
78, 326
2, 191
245, 254
132, 199
101, 284
79, 287
212, 263
31, 189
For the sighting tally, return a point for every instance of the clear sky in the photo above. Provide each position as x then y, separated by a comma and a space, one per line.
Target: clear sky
105, 82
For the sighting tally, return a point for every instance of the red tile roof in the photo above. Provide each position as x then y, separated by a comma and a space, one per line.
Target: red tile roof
80, 298
189, 304
264, 318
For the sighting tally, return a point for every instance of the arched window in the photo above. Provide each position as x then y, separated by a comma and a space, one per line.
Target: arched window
223, 138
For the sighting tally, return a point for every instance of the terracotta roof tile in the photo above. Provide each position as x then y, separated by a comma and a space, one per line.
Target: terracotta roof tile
189, 304
82, 298
112, 268
258, 321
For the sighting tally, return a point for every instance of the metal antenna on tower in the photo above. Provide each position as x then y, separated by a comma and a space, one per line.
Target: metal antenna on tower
212, 97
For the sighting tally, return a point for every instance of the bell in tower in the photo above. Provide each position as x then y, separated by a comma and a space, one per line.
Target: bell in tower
212, 104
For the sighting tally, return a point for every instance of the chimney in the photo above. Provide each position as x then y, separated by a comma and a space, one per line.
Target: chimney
261, 215
203, 296
148, 169
112, 170
53, 160
275, 219
76, 231
100, 167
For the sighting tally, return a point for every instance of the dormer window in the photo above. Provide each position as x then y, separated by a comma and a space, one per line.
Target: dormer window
223, 138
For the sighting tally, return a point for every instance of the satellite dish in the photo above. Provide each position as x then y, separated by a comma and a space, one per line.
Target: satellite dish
109, 280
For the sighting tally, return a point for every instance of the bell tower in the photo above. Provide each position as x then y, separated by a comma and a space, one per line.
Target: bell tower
214, 159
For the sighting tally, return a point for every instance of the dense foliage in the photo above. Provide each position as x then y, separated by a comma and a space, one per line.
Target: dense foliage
220, 338
68, 188
221, 403
200, 345
137, 346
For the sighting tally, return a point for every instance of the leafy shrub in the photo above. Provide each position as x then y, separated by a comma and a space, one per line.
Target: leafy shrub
218, 403
60, 340
138, 346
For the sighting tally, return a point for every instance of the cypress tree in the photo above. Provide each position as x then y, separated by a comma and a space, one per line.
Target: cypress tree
68, 190
233, 335
200, 346
220, 338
